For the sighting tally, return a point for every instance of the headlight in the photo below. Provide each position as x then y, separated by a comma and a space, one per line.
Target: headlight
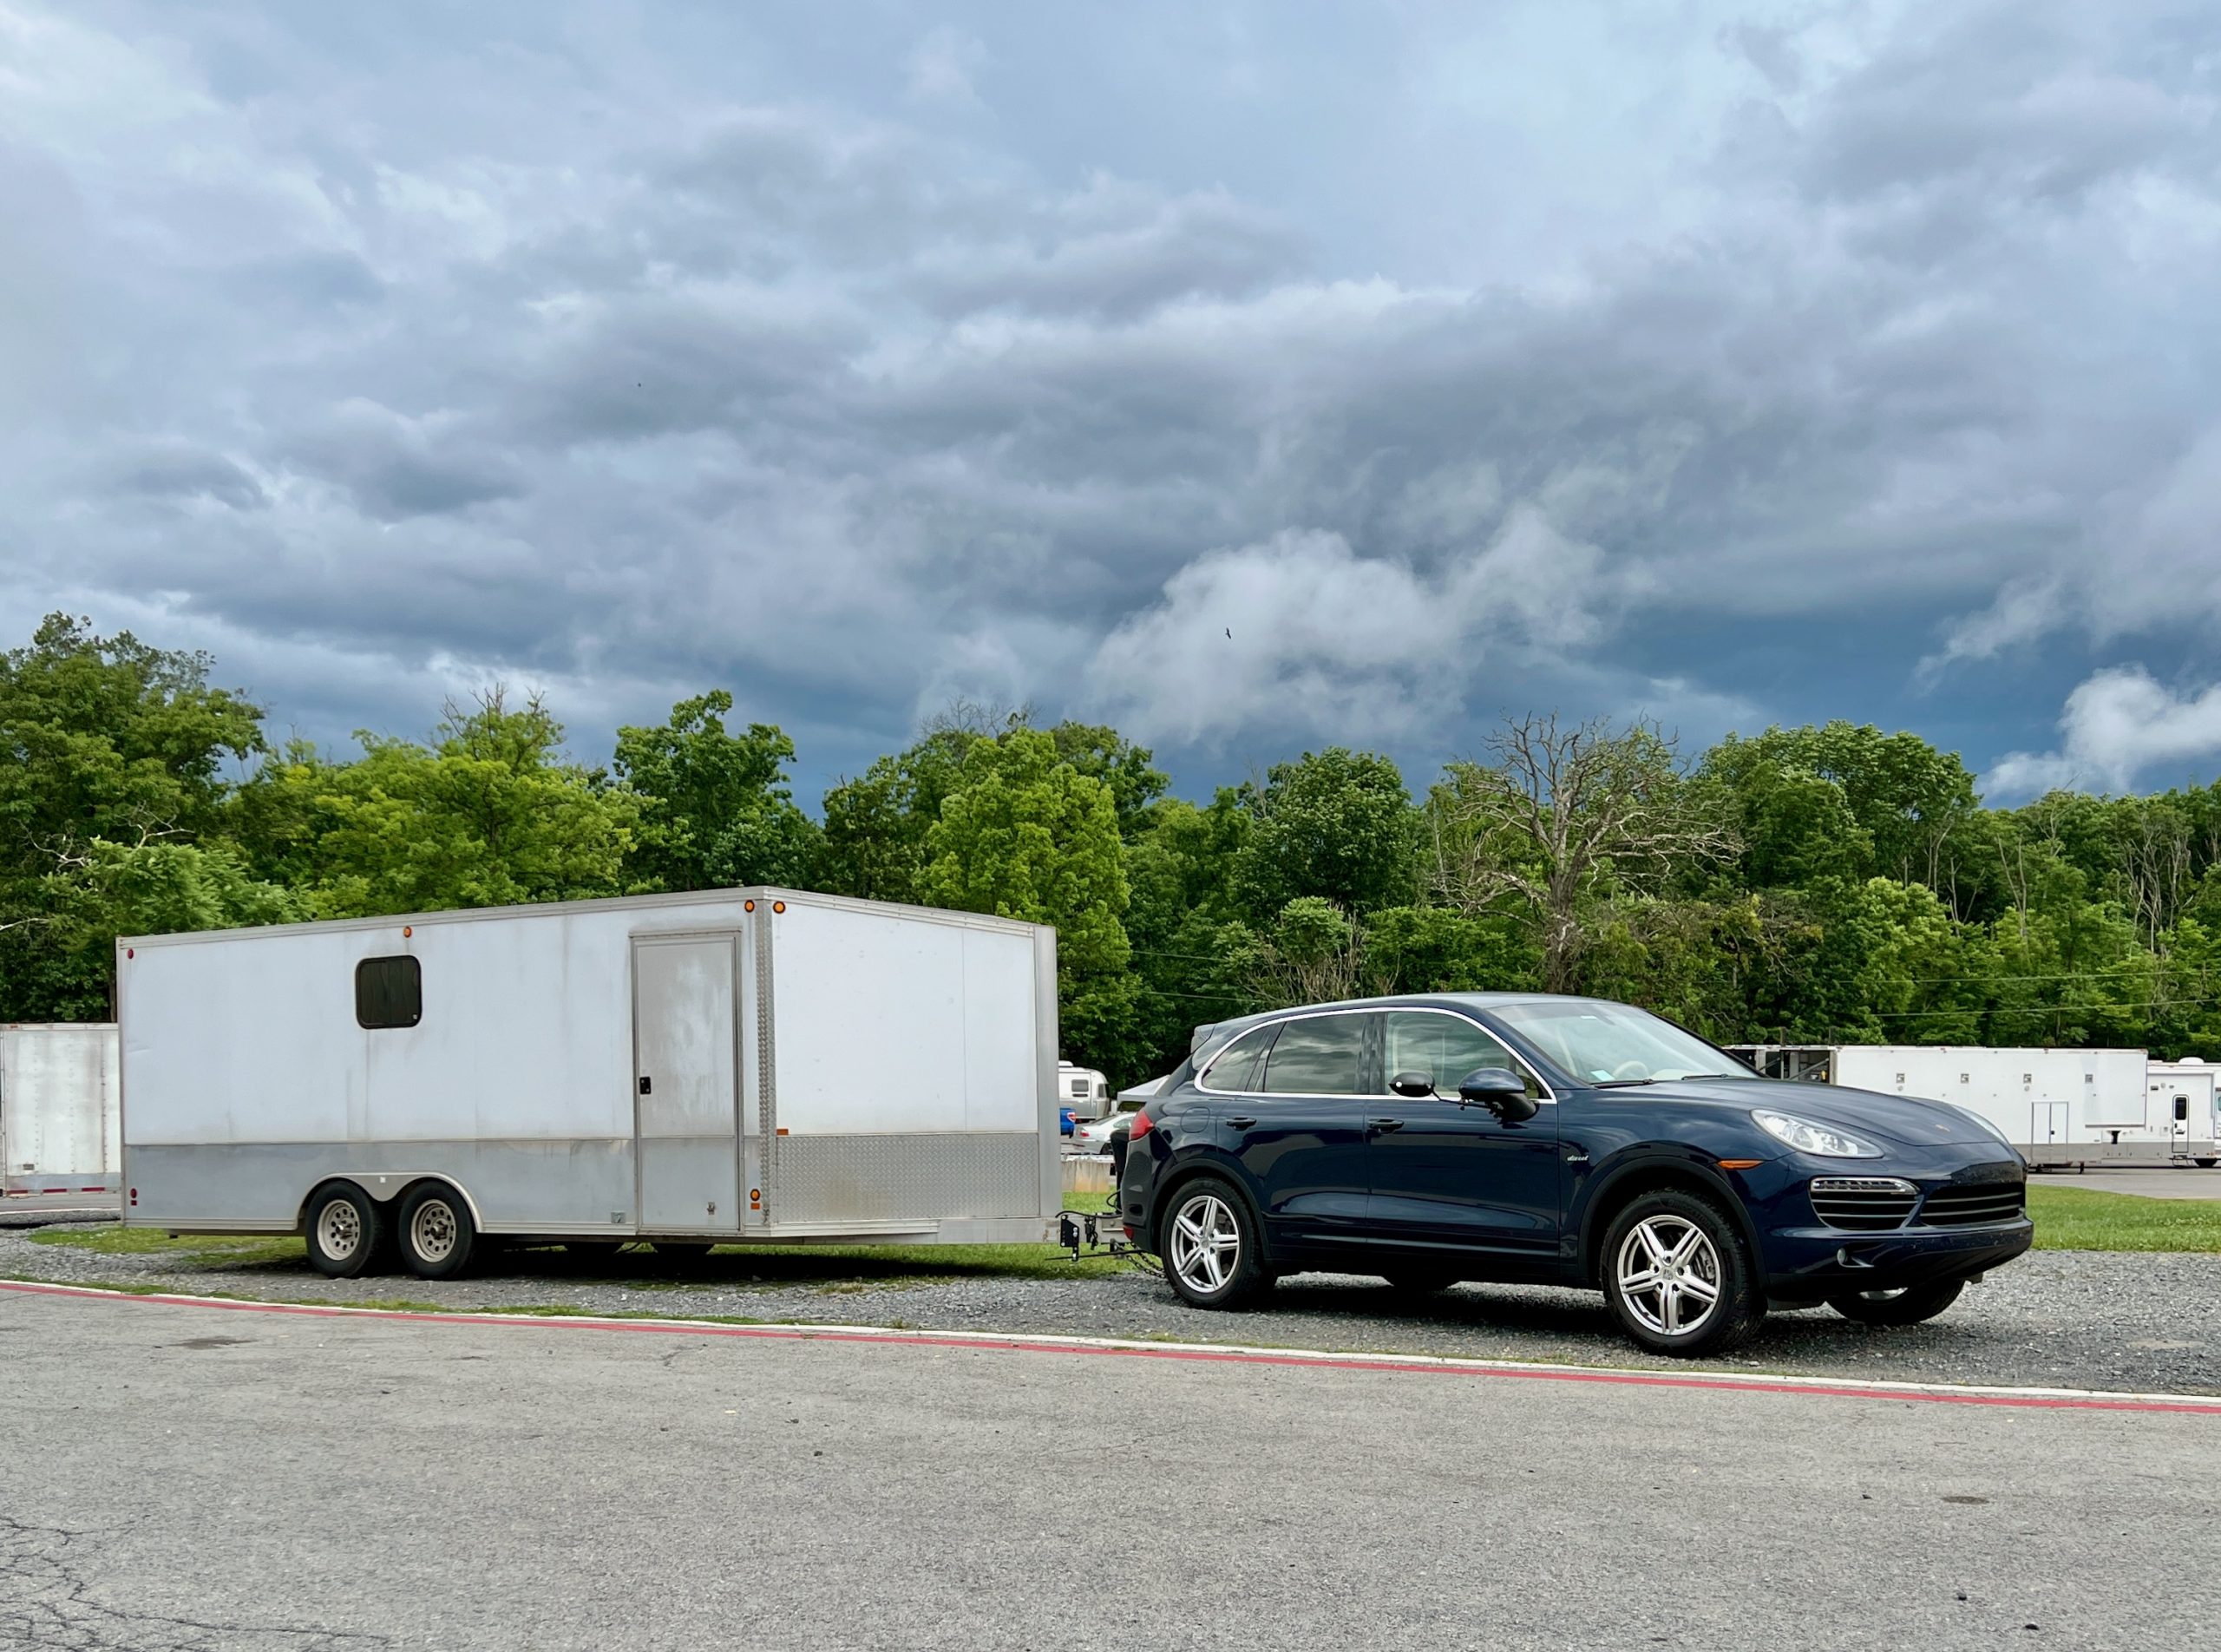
1808, 1138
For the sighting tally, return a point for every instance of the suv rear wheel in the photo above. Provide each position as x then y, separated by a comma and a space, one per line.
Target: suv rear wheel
1678, 1276
1907, 1307
1210, 1247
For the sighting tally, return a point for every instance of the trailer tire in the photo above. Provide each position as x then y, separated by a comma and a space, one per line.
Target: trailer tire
342, 1227
2205, 1163
436, 1233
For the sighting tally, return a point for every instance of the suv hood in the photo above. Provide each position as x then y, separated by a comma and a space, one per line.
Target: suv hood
1906, 1120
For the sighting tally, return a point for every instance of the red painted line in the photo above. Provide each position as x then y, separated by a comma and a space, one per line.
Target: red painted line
1823, 1389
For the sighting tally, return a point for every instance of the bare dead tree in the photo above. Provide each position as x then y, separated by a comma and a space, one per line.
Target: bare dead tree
1564, 811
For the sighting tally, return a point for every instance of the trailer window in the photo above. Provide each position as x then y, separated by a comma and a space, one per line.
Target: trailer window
389, 991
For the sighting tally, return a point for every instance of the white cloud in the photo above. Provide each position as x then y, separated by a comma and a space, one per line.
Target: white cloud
1301, 632
942, 67
2115, 727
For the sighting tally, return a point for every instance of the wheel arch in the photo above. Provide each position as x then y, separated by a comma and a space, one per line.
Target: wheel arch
386, 1188
1628, 1181
1181, 1174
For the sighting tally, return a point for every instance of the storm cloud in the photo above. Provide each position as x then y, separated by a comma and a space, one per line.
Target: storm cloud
1789, 362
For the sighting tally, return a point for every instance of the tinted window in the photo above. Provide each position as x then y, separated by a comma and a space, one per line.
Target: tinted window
1444, 1047
1235, 1066
389, 991
1317, 1056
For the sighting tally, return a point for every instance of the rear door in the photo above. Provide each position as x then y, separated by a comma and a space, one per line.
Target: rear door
1287, 1106
1443, 1173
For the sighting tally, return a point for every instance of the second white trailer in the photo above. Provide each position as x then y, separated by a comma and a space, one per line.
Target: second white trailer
744, 1065
61, 1145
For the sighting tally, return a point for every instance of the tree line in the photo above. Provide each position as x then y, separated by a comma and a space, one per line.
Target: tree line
1830, 884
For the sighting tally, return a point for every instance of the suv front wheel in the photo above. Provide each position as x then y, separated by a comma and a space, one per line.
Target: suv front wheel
1678, 1276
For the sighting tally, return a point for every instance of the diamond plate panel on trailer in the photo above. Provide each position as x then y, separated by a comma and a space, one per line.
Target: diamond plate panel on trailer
835, 1178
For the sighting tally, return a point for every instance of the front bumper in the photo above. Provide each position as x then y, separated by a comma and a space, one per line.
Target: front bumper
1805, 1257
1823, 1262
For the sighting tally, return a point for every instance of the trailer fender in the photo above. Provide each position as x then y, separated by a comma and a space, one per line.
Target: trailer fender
387, 1187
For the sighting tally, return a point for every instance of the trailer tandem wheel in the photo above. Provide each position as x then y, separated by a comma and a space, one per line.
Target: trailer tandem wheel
342, 1226
436, 1233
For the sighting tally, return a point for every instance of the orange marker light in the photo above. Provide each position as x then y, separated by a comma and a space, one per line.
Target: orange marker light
748, 906
406, 931
778, 906
1740, 1163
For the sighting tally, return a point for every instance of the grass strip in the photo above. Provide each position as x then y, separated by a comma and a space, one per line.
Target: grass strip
2069, 1218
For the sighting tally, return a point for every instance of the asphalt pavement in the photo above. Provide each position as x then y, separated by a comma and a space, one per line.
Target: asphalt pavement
186, 1478
2146, 1184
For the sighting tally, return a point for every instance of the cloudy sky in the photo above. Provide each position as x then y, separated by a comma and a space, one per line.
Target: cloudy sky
1253, 375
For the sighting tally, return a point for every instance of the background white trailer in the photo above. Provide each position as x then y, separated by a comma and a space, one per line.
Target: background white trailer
756, 1064
61, 1148
2186, 1101
2058, 1106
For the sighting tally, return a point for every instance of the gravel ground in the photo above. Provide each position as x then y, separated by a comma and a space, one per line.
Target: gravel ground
2144, 1322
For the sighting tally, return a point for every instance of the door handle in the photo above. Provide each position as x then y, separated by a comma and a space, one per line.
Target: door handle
1244, 1122
646, 1088
1382, 1126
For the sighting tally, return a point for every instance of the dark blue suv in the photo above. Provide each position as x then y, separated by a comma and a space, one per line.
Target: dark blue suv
1562, 1141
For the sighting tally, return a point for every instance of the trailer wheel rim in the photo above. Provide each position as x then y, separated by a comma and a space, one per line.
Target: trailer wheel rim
1206, 1243
432, 1230
1669, 1274
339, 1229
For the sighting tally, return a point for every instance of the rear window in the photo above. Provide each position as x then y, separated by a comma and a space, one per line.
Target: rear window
1316, 1055
389, 991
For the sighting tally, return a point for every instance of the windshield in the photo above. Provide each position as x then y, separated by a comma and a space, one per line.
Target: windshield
1600, 1042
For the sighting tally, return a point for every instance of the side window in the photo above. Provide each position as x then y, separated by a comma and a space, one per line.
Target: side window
1235, 1068
1316, 1055
389, 991
1444, 1047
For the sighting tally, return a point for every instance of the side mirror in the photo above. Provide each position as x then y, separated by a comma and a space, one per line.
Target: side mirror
1500, 1089
1417, 1086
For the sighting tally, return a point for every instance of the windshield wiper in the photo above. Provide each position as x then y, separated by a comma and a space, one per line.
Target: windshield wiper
1677, 1077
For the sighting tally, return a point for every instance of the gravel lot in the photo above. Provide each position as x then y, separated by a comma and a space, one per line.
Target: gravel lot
2143, 1322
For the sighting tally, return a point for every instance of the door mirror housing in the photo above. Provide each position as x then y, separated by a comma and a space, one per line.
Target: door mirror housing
1500, 1089
1415, 1086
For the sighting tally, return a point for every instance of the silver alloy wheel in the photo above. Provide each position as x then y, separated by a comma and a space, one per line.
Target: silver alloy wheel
1669, 1274
339, 1229
432, 1230
1206, 1243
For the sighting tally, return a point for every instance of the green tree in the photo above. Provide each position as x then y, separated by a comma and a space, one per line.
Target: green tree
874, 846
489, 814
1337, 824
1024, 834
1568, 819
107, 747
715, 809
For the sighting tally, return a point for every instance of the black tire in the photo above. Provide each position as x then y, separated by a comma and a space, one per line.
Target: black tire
2205, 1163
1419, 1280
1907, 1307
1719, 1260
1206, 1223
437, 1236
345, 1230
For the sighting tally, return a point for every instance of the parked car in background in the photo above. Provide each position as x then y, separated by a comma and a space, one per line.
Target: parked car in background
1095, 1135
1567, 1141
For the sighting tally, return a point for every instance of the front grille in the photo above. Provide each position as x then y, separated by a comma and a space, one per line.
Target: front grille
1971, 1207
1863, 1203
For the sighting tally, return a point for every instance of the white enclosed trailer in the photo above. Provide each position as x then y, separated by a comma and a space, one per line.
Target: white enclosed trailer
2059, 1107
59, 1134
2186, 1101
735, 1065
